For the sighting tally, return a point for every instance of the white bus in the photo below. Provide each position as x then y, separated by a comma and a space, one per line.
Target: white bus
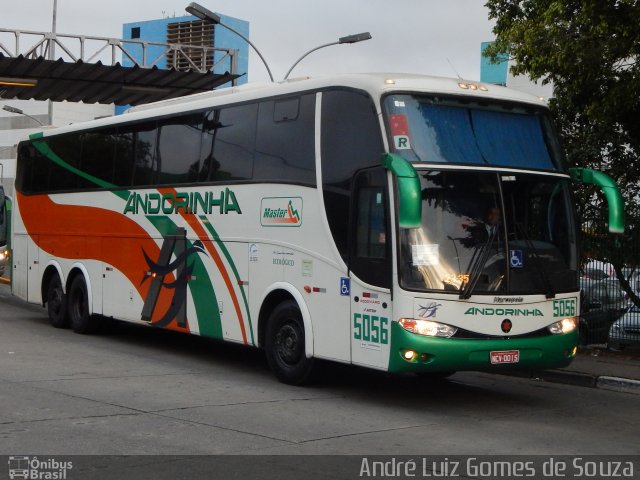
403, 223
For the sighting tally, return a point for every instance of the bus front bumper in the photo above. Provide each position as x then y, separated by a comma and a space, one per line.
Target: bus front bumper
417, 353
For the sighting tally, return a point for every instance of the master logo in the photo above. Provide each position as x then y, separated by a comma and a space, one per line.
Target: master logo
281, 212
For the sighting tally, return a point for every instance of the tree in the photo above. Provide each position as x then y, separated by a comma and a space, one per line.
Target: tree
589, 49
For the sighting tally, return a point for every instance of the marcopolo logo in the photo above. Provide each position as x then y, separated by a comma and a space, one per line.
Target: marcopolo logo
281, 212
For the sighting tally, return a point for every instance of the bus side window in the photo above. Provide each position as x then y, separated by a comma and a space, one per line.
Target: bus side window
351, 140
66, 151
98, 155
178, 150
144, 151
228, 144
371, 234
370, 257
285, 145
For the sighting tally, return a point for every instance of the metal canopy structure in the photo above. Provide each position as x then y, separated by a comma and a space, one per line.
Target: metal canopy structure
40, 79
88, 70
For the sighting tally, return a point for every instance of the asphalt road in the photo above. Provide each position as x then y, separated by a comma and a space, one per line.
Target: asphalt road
136, 390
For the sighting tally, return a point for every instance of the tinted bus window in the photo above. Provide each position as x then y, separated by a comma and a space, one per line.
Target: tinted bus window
65, 153
143, 141
98, 152
285, 147
228, 144
32, 171
178, 154
124, 158
351, 140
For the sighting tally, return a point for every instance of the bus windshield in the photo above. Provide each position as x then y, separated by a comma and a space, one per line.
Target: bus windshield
444, 130
491, 232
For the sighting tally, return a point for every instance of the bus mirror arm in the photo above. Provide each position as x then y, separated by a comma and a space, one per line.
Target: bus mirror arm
409, 191
611, 193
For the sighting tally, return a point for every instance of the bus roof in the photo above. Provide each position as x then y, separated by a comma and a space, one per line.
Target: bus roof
375, 84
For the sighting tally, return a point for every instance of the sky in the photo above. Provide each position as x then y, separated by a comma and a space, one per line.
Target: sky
435, 37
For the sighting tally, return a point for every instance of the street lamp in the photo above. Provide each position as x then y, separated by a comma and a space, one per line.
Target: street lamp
208, 16
10, 109
358, 37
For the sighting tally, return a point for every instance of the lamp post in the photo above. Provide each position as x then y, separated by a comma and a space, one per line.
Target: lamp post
10, 109
208, 16
358, 37
52, 53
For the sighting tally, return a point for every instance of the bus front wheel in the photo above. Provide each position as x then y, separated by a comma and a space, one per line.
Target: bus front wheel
78, 305
57, 303
285, 345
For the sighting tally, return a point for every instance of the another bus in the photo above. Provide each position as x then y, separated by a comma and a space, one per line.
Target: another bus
340, 218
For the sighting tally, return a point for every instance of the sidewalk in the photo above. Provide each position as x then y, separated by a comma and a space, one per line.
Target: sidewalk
599, 368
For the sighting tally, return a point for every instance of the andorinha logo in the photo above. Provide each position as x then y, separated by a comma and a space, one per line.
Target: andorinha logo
222, 202
281, 212
514, 312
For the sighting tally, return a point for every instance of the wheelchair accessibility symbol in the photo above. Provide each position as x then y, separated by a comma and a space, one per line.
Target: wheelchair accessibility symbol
516, 258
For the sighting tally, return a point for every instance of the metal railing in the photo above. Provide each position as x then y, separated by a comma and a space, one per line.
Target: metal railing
89, 49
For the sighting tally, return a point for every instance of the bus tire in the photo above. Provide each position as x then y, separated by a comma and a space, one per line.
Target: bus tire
78, 306
57, 303
285, 345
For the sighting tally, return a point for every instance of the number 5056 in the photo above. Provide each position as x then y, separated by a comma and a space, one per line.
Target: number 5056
371, 328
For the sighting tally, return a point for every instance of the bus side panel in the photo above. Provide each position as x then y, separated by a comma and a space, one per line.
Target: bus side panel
34, 279
19, 274
328, 304
120, 298
233, 302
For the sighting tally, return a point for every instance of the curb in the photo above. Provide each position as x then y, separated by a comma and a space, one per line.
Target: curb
618, 384
579, 379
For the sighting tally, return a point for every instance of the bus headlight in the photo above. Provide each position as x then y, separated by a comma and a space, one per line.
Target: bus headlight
427, 327
565, 325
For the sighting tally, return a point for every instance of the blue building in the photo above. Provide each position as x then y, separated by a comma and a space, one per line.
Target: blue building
189, 30
499, 74
495, 73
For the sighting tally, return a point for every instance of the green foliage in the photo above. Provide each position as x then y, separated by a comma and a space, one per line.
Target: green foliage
589, 50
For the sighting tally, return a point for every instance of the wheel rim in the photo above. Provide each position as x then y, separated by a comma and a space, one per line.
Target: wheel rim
289, 344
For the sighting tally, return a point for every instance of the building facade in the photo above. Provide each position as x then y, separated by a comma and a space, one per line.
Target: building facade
500, 74
186, 30
189, 30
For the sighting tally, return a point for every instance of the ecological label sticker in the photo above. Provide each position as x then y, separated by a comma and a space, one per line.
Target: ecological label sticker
307, 268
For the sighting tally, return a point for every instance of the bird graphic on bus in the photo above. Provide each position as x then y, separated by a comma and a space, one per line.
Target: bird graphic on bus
172, 245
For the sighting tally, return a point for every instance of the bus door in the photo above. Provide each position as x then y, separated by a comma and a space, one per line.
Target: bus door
370, 269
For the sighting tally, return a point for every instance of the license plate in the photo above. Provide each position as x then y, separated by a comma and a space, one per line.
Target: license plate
505, 356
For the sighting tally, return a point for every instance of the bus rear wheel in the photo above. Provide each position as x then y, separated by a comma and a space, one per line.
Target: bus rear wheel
57, 303
78, 305
285, 345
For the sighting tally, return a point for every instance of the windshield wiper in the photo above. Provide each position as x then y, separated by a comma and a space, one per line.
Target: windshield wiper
539, 269
476, 265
